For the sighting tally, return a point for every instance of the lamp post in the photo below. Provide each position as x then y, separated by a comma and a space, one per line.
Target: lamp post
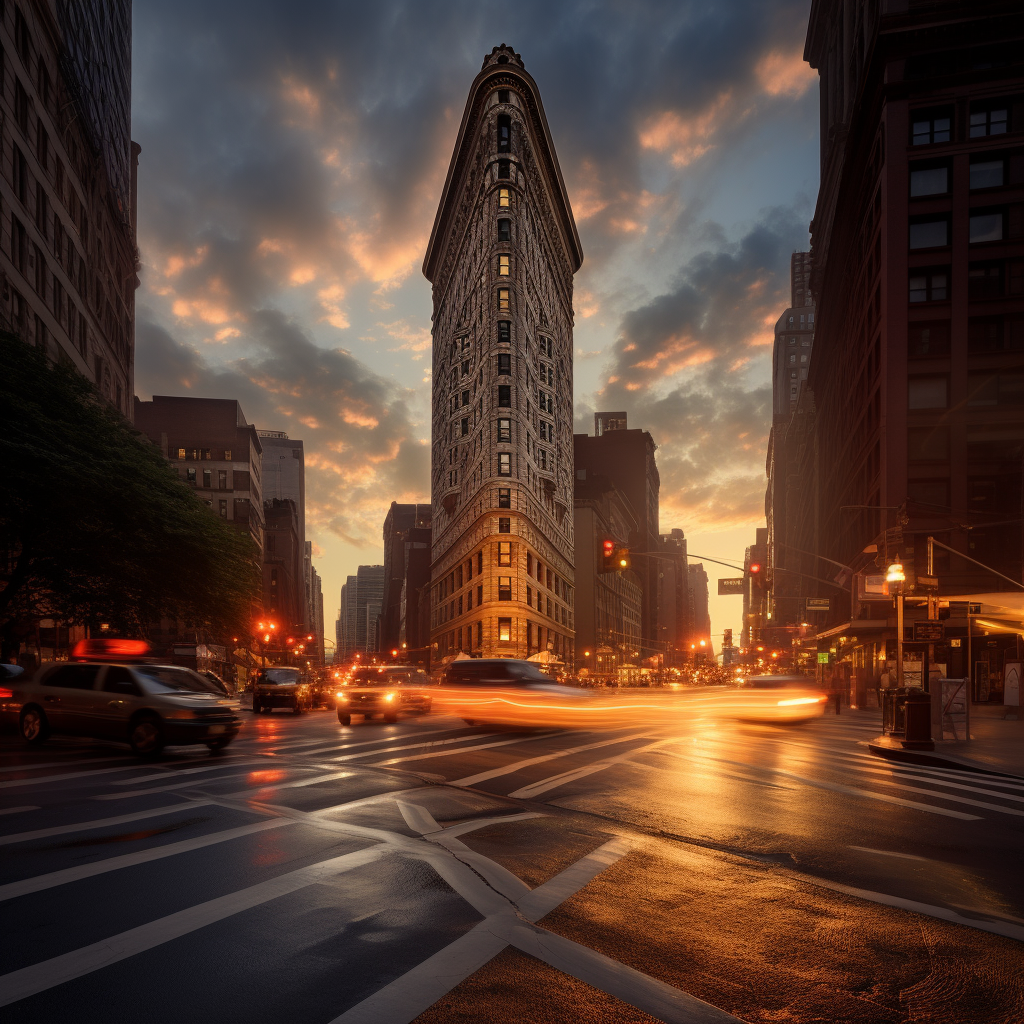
896, 577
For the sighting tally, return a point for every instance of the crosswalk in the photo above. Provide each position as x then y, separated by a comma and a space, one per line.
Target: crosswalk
314, 827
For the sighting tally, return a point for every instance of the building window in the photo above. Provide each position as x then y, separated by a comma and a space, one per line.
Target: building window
931, 126
542, 458
222, 479
505, 525
505, 396
465, 425
992, 334
792, 357
190, 475
929, 181
207, 478
929, 285
227, 454
505, 331
928, 340
505, 553
927, 392
504, 133
929, 234
504, 430
465, 397
181, 454
504, 501
503, 266
986, 227
504, 364
503, 95
985, 281
987, 174
223, 503
505, 629
479, 595
992, 121
504, 464
503, 197
504, 588
504, 170
503, 304
504, 230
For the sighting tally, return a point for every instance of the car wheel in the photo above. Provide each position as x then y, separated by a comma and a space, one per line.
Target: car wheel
344, 719
33, 725
297, 710
146, 737
391, 717
217, 745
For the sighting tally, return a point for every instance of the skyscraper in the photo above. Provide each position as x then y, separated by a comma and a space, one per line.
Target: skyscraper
501, 260
361, 599
406, 572
68, 257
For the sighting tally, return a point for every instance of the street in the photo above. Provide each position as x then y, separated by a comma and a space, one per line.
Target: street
433, 871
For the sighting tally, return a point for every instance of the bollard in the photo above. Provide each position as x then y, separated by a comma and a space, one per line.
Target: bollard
918, 711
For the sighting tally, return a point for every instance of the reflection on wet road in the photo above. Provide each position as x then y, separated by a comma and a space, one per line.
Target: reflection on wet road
700, 869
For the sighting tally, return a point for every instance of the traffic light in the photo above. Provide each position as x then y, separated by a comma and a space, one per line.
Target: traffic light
608, 555
622, 559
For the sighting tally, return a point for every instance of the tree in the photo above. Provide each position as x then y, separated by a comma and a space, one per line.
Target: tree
94, 523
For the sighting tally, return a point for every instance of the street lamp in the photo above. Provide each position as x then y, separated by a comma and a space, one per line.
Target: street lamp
896, 577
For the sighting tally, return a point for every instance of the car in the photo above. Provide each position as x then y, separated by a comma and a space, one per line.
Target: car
385, 690
508, 691
776, 698
146, 705
281, 687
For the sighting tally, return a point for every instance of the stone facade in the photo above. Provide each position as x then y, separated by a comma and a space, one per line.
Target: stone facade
501, 260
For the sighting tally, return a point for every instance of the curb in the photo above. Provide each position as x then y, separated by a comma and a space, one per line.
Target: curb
932, 760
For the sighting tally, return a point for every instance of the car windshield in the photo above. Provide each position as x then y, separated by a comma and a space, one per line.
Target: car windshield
409, 676
280, 676
371, 677
164, 679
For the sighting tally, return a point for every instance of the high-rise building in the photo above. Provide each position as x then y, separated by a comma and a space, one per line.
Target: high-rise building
284, 473
918, 279
501, 259
314, 600
214, 451
675, 628
406, 572
68, 257
361, 599
284, 595
626, 457
794, 337
698, 579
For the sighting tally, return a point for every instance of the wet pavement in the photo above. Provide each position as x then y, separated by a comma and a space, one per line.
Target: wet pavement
433, 871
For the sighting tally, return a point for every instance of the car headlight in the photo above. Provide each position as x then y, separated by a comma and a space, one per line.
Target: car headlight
799, 700
181, 713
341, 695
389, 696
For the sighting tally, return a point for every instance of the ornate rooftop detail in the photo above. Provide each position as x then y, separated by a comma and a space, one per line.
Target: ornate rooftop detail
503, 55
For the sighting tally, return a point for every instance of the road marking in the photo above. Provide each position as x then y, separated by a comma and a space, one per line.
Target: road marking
164, 789
458, 750
413, 746
545, 785
58, 970
86, 826
388, 739
888, 853
65, 763
75, 874
187, 771
555, 891
61, 778
472, 780
1010, 931
18, 810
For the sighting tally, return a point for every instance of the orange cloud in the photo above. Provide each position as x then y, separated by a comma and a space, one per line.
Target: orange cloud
688, 138
785, 74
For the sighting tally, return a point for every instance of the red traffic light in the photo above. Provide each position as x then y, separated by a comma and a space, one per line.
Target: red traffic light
755, 568
609, 547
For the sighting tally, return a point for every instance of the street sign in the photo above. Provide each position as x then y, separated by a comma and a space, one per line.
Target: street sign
822, 657
817, 604
732, 586
929, 629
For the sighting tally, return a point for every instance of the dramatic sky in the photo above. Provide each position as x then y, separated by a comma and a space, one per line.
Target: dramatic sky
293, 156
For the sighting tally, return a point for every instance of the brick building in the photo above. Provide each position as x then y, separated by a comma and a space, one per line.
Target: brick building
406, 573
501, 260
68, 257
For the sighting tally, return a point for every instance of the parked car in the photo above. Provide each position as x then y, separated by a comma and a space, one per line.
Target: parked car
385, 690
281, 687
145, 705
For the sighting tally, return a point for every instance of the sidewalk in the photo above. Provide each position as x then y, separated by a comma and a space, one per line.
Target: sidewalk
996, 744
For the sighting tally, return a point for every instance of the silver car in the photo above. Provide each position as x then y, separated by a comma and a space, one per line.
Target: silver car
145, 705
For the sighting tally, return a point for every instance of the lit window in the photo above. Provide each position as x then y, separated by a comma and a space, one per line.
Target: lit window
505, 464
987, 174
504, 588
227, 455
503, 305
988, 122
503, 267
505, 553
181, 454
504, 430
503, 197
986, 227
505, 629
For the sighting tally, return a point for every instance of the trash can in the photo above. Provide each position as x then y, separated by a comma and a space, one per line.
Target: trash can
893, 709
918, 716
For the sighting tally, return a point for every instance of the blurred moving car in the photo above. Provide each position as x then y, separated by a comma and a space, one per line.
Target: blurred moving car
383, 690
782, 698
145, 705
507, 691
281, 687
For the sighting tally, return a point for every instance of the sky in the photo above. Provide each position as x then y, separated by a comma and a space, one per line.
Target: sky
293, 156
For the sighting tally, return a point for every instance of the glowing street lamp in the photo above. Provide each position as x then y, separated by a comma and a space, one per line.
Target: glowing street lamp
896, 576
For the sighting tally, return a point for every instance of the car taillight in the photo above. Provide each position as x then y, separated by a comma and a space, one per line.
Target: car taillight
5, 693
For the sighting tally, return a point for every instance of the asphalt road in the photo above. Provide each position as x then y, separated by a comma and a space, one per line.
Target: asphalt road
437, 872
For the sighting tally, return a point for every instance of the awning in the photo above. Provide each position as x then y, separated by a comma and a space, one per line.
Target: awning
856, 627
